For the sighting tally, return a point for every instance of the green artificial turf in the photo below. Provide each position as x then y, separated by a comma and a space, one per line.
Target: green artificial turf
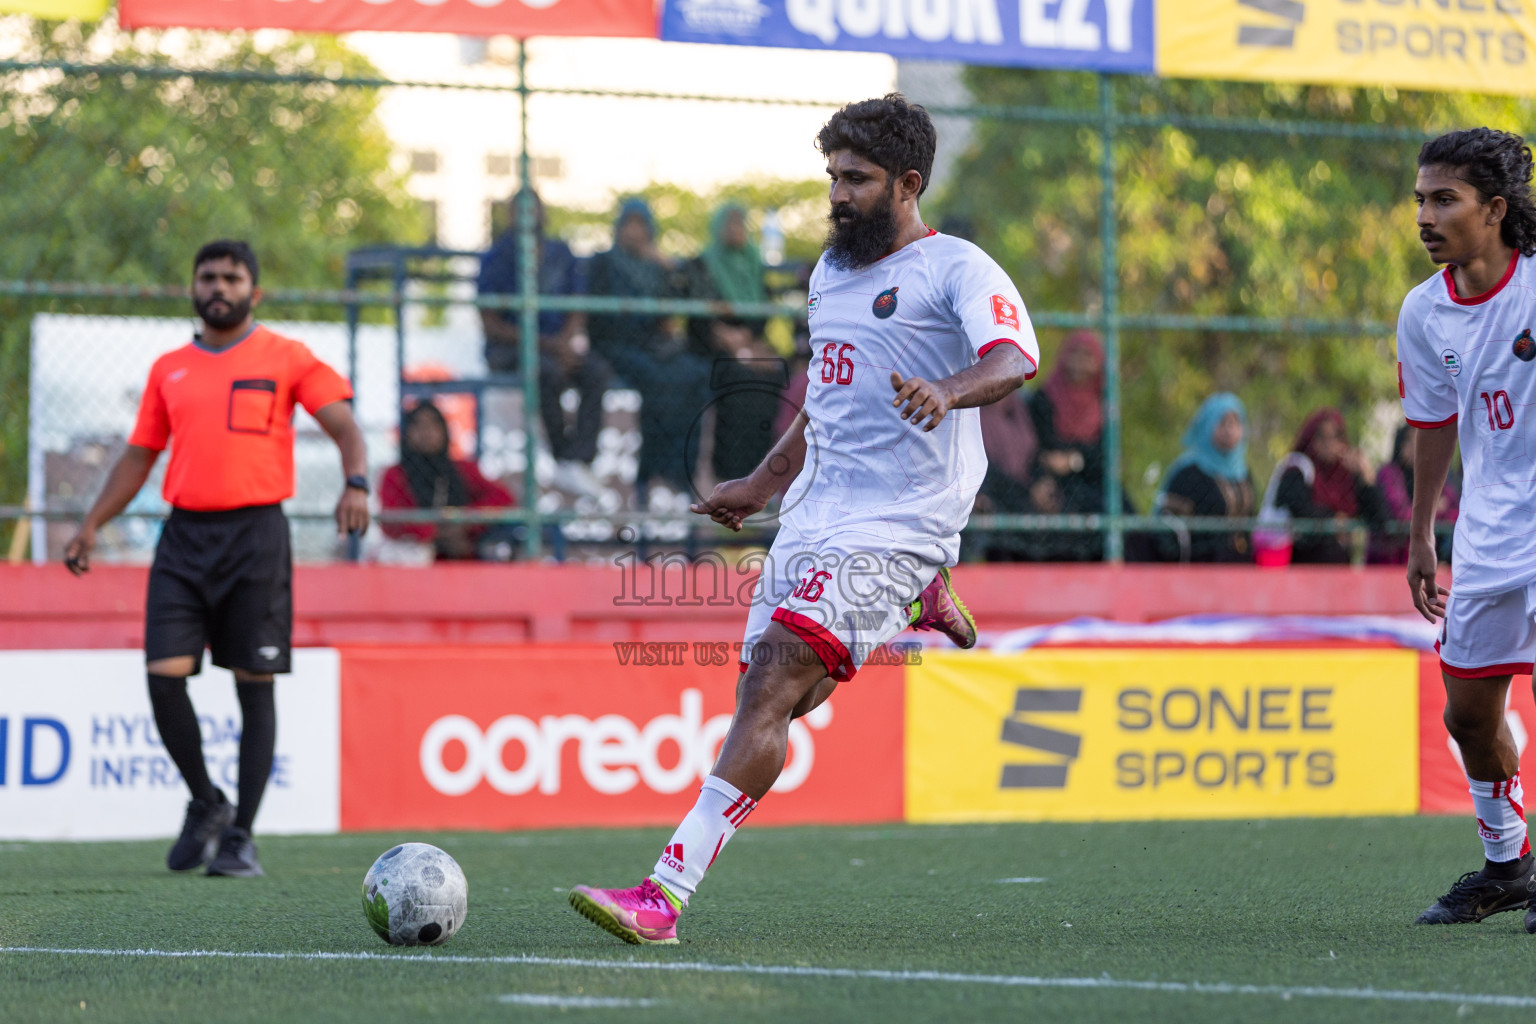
1318, 903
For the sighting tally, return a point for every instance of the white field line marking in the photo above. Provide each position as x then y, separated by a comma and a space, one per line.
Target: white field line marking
1217, 988
574, 1002
1019, 881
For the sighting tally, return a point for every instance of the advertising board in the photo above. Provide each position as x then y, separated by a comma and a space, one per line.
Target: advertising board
80, 757
1124, 734
571, 735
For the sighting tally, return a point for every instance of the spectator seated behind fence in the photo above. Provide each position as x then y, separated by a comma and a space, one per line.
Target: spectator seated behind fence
565, 359
1331, 480
428, 477
746, 375
1068, 414
649, 351
1395, 483
1211, 478
1008, 437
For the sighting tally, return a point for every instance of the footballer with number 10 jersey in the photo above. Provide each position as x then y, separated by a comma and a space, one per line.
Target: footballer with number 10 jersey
1471, 360
1467, 378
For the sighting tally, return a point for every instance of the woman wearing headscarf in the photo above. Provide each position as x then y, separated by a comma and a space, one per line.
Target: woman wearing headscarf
1008, 437
1395, 482
646, 350
1068, 414
746, 376
1211, 478
1330, 480
429, 477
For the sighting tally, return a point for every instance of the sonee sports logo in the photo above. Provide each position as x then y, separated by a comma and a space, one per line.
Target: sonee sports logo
1029, 735
884, 306
1272, 36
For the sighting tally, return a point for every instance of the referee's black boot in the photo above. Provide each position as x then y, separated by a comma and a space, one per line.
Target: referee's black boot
237, 855
200, 832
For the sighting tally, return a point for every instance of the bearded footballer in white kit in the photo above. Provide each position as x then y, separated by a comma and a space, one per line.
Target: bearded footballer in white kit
1466, 372
911, 332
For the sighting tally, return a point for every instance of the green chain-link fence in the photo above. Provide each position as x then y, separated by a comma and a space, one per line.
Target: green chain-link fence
1215, 236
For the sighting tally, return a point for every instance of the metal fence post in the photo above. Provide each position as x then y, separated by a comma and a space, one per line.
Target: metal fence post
528, 332
1114, 540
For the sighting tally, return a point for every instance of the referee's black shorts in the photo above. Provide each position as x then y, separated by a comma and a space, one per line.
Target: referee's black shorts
223, 580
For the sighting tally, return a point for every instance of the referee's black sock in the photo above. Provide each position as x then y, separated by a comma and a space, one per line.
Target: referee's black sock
258, 735
179, 732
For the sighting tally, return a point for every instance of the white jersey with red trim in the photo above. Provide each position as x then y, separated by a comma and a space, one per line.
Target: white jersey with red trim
1472, 362
930, 310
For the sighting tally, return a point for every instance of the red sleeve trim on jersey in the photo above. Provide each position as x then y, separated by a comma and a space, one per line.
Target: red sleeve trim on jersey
1034, 367
1513, 668
1477, 300
828, 647
1424, 425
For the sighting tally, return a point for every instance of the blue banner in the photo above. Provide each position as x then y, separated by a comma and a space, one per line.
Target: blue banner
1082, 35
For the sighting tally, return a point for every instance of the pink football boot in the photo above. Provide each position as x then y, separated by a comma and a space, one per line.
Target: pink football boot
639, 916
939, 607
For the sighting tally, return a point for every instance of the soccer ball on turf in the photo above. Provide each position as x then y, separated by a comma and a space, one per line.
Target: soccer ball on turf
415, 895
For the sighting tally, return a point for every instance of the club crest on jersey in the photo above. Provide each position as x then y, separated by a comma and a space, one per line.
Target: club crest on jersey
885, 304
1525, 346
1452, 362
1004, 313
813, 303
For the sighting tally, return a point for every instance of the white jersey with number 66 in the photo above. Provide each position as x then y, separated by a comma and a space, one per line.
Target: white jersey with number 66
930, 310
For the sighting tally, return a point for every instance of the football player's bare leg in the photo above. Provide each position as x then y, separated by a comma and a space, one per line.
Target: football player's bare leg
1474, 716
768, 697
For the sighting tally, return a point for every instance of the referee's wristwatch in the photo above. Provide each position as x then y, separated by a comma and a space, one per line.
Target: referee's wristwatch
358, 482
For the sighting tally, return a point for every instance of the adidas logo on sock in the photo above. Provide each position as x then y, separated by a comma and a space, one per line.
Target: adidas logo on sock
672, 856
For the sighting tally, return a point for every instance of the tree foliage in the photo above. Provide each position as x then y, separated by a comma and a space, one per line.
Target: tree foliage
1228, 223
120, 178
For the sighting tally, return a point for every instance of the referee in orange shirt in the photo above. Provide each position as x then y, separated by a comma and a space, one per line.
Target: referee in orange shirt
223, 572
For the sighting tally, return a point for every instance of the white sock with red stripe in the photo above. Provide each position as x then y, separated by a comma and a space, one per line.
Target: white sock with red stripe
720, 810
1500, 808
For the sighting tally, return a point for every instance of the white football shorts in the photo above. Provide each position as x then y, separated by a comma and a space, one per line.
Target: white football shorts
843, 591
1487, 635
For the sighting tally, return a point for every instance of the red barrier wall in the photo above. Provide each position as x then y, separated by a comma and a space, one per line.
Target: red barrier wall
44, 607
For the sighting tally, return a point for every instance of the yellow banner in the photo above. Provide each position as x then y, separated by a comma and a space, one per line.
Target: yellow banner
59, 10
1139, 734
1439, 45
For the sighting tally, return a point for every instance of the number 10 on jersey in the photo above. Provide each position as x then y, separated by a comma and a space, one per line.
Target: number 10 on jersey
835, 364
1501, 414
